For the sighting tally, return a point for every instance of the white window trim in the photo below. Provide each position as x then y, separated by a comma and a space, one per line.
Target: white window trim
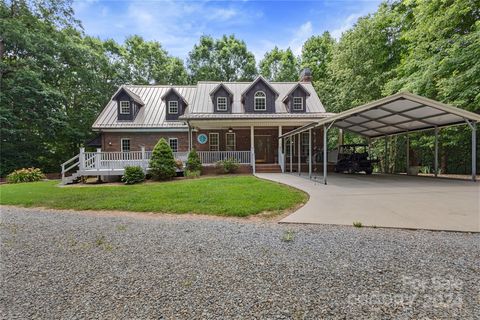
210, 145
301, 103
170, 107
121, 108
170, 143
234, 141
129, 144
264, 98
225, 108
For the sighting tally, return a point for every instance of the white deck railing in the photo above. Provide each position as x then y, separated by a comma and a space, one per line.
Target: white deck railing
100, 160
211, 157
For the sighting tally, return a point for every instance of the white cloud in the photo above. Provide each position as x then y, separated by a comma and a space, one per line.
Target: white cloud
349, 22
300, 36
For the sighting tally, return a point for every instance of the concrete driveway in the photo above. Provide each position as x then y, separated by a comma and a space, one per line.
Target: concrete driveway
387, 201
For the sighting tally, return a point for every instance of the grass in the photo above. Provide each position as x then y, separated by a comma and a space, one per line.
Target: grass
224, 196
357, 224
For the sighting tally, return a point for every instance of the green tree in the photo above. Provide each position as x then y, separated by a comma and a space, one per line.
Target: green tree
280, 65
193, 161
317, 54
224, 59
162, 164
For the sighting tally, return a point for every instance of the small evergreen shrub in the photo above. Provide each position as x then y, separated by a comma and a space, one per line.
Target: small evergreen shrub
133, 174
162, 163
193, 161
192, 174
25, 175
228, 165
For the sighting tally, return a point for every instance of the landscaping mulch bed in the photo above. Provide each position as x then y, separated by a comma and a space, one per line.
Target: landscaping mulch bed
65, 264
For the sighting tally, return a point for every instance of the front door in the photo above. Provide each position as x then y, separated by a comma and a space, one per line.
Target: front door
262, 148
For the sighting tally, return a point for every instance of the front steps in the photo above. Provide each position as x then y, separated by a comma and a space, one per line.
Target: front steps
268, 168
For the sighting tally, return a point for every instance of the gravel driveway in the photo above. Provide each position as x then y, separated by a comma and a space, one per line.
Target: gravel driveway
82, 265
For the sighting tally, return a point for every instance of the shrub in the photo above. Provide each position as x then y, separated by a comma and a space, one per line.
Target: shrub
178, 164
162, 163
357, 224
133, 174
228, 165
192, 174
25, 175
193, 161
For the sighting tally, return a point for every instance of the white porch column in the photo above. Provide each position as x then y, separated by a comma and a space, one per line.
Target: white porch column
97, 158
291, 153
190, 142
280, 142
82, 158
299, 159
252, 147
144, 158
436, 152
310, 153
325, 154
284, 169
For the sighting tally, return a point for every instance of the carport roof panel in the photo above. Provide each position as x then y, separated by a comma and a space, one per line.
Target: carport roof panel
399, 113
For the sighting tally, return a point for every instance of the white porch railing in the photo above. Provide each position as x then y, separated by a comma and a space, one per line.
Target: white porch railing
100, 160
211, 157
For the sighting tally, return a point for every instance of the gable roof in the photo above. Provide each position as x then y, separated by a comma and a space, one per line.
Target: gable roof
221, 85
299, 85
172, 89
259, 78
131, 94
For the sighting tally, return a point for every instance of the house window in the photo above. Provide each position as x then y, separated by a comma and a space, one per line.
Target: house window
124, 107
297, 103
173, 142
172, 107
260, 101
305, 144
291, 145
214, 141
221, 103
230, 141
125, 143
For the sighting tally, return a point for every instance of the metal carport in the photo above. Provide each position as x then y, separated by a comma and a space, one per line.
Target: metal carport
400, 113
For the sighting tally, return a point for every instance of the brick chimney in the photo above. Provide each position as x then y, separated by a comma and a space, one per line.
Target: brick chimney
306, 75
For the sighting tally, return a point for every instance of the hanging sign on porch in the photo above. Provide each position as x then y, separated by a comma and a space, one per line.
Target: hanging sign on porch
202, 138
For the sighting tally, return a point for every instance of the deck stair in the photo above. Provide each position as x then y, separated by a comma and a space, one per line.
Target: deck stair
268, 168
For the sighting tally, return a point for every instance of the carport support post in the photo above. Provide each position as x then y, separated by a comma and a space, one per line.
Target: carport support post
284, 169
299, 159
473, 126
291, 155
325, 150
310, 154
385, 165
408, 153
436, 152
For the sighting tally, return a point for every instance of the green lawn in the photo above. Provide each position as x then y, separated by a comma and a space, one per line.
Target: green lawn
224, 196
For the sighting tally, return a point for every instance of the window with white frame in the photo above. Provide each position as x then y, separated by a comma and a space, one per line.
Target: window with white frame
222, 103
230, 141
291, 145
125, 145
173, 142
304, 144
124, 107
260, 101
214, 141
172, 107
297, 103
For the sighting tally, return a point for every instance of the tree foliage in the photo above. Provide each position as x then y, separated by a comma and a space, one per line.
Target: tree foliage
162, 164
224, 59
280, 65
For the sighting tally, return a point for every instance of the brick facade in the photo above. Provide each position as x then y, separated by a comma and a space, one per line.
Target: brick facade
111, 141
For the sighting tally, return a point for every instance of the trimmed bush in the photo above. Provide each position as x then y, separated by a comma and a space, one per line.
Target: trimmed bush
228, 165
193, 161
162, 163
25, 175
192, 174
133, 174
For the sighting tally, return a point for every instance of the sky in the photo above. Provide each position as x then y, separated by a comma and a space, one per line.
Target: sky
178, 25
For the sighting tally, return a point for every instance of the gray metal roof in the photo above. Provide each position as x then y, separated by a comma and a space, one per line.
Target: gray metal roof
200, 105
203, 103
151, 115
399, 113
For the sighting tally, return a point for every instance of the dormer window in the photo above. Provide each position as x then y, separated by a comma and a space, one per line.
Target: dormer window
124, 107
260, 102
173, 107
297, 103
222, 103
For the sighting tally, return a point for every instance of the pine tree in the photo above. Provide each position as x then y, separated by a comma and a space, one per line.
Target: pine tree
162, 163
193, 161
